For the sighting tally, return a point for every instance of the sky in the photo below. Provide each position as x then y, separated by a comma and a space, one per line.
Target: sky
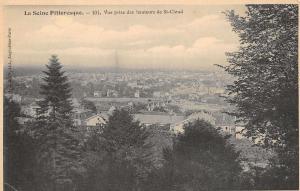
194, 40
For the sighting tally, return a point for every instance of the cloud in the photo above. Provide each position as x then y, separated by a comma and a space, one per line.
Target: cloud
65, 30
200, 43
203, 51
205, 21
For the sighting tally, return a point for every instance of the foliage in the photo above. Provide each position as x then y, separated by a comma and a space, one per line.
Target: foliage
160, 138
19, 150
89, 105
57, 93
120, 155
201, 159
59, 151
265, 91
137, 107
159, 109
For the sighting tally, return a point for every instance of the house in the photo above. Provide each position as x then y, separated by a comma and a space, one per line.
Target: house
108, 93
97, 120
226, 126
132, 84
159, 119
128, 107
179, 127
112, 93
155, 104
202, 115
111, 110
31, 110
79, 116
137, 94
115, 94
97, 93
234, 130
229, 129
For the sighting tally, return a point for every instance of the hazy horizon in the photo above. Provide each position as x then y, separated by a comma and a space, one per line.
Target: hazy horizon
24, 70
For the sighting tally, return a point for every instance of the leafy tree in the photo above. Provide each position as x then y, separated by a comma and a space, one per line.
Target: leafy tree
265, 91
89, 105
160, 109
201, 159
59, 151
19, 150
122, 159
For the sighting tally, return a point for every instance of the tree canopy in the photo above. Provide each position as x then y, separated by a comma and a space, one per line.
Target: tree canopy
89, 105
122, 152
19, 150
265, 90
201, 159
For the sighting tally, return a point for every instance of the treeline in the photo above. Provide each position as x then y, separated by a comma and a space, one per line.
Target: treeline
52, 154
118, 156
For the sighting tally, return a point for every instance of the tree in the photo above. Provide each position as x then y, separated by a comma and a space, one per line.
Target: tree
89, 105
201, 159
265, 91
19, 150
59, 151
90, 89
123, 159
57, 93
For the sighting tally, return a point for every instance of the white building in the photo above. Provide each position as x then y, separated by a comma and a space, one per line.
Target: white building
179, 127
111, 110
159, 119
97, 94
95, 121
137, 94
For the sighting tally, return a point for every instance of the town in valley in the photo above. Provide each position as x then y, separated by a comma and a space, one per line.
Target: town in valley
162, 100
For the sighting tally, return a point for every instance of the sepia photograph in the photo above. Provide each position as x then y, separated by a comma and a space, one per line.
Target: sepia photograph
157, 97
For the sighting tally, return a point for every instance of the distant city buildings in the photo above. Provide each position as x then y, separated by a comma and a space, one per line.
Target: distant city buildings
162, 99
97, 93
137, 94
158, 118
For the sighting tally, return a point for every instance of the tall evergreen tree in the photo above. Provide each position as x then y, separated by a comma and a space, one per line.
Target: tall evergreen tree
57, 93
265, 91
59, 151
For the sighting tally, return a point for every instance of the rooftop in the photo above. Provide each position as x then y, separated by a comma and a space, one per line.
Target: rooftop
158, 119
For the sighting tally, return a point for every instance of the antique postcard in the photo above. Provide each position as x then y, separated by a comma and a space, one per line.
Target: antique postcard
150, 96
